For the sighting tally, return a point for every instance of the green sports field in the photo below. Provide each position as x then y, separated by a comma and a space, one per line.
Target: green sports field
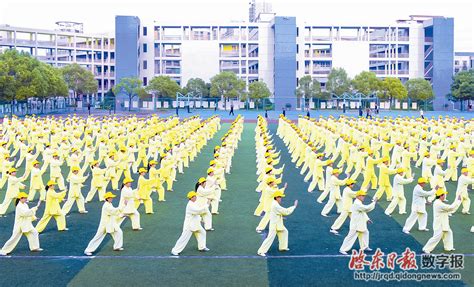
312, 261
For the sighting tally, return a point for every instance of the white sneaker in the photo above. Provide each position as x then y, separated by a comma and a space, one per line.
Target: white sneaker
343, 252
262, 254
88, 253
368, 249
334, 231
118, 249
174, 253
406, 231
259, 231
205, 249
37, 250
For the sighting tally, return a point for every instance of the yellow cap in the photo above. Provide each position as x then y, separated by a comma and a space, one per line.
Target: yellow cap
12, 169
55, 154
336, 170
464, 170
361, 193
142, 169
268, 169
22, 194
422, 180
152, 162
217, 147
201, 180
191, 194
75, 168
109, 195
278, 194
440, 160
400, 170
385, 158
441, 191
209, 170
127, 180
270, 180
51, 182
427, 154
94, 162
350, 181
471, 152
35, 162
212, 162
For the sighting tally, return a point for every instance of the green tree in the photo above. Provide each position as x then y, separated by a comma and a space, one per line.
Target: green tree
419, 89
462, 87
366, 83
338, 81
258, 90
23, 77
227, 85
79, 80
163, 86
130, 87
197, 86
391, 89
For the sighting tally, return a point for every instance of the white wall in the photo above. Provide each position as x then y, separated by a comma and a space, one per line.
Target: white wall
353, 56
417, 52
265, 56
200, 59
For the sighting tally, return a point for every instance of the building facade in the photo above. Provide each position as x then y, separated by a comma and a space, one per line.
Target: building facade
64, 46
463, 61
279, 51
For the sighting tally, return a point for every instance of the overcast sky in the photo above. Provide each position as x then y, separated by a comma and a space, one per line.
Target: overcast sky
98, 15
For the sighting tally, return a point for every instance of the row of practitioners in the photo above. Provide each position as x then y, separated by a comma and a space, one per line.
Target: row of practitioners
111, 217
330, 185
203, 201
271, 195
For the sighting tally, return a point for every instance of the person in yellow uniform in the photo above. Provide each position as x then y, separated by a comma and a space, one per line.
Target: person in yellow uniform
98, 182
53, 209
318, 173
144, 191
76, 181
358, 225
277, 228
399, 199
128, 199
109, 223
165, 170
24, 216
192, 225
384, 180
36, 181
211, 183
441, 228
369, 171
464, 181
157, 184
14, 184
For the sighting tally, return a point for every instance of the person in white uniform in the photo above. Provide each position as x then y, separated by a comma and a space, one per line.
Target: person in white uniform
441, 228
418, 207
277, 228
464, 181
398, 197
23, 225
192, 225
109, 223
358, 225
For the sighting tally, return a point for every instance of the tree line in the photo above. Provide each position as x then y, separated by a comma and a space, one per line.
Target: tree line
23, 77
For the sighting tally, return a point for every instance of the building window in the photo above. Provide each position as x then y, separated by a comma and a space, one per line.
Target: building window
144, 31
145, 48
145, 65
145, 81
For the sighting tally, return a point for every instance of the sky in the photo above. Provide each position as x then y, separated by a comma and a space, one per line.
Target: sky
98, 15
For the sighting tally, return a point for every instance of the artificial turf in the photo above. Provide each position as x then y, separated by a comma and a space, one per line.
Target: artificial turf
232, 260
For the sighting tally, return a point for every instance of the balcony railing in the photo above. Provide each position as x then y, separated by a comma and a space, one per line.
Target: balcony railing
229, 53
378, 56
403, 72
403, 55
321, 38
322, 55
171, 54
403, 38
380, 72
171, 37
